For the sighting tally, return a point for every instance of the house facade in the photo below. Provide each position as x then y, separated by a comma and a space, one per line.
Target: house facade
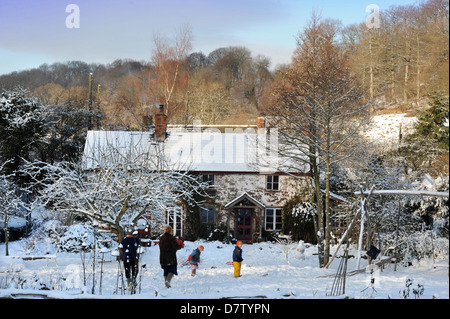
247, 180
249, 204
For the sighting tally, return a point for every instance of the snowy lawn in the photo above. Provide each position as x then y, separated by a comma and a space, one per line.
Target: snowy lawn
265, 274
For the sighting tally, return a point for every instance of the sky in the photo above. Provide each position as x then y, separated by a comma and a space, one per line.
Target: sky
46, 31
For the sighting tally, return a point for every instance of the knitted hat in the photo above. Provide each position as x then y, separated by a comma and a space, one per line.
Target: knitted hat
239, 243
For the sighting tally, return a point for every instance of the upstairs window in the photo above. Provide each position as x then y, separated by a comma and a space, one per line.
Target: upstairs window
273, 183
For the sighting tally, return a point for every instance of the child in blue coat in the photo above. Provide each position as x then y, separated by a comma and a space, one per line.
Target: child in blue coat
194, 259
237, 259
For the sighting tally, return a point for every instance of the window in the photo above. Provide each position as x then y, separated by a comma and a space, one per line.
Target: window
273, 219
207, 215
175, 220
273, 182
209, 179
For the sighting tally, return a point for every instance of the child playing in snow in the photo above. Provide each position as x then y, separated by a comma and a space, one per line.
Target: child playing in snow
194, 259
237, 259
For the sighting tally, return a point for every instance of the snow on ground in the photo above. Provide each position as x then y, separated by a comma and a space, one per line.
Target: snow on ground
265, 274
385, 128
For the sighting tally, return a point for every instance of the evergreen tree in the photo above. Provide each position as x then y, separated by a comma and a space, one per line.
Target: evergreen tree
22, 121
432, 122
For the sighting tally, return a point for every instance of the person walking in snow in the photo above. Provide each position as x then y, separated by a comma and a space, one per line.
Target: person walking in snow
237, 259
168, 247
194, 259
128, 249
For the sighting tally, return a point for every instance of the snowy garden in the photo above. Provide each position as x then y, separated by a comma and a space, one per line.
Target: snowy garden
68, 253
282, 269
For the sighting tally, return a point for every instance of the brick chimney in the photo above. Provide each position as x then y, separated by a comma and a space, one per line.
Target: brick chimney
261, 124
160, 124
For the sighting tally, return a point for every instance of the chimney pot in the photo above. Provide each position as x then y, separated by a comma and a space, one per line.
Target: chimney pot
160, 124
261, 124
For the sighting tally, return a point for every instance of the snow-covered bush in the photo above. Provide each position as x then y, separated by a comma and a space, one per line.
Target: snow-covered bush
12, 277
217, 232
298, 220
44, 238
424, 245
53, 236
434, 210
74, 238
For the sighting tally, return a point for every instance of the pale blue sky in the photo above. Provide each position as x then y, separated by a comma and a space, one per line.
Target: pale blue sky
35, 32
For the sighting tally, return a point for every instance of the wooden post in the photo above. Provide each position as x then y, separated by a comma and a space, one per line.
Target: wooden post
90, 102
364, 197
98, 107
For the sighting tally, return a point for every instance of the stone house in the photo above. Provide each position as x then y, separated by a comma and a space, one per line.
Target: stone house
241, 164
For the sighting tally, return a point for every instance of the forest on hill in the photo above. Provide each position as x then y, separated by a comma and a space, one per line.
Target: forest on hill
398, 63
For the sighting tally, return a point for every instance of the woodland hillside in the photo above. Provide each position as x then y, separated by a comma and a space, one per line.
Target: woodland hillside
397, 65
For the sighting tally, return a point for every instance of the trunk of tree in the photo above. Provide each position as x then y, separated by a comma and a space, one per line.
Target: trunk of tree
327, 212
418, 69
6, 232
371, 89
405, 84
393, 97
319, 222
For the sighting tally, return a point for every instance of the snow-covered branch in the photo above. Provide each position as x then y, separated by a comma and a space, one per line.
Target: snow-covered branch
121, 187
405, 192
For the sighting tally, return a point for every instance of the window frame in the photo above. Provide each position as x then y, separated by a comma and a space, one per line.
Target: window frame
276, 212
174, 218
210, 179
208, 210
270, 181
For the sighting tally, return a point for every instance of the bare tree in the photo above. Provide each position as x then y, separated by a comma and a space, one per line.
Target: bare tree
318, 108
170, 61
407, 55
115, 186
207, 101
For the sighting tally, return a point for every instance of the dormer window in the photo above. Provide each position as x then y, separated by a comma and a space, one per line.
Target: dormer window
273, 182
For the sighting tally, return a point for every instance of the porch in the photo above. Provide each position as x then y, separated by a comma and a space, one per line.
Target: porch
245, 218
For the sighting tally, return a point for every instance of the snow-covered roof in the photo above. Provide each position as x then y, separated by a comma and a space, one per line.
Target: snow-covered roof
196, 151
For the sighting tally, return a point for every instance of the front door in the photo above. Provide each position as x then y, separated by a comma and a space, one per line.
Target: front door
244, 223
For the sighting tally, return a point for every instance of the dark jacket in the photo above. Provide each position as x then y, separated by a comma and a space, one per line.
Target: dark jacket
237, 254
129, 246
168, 247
